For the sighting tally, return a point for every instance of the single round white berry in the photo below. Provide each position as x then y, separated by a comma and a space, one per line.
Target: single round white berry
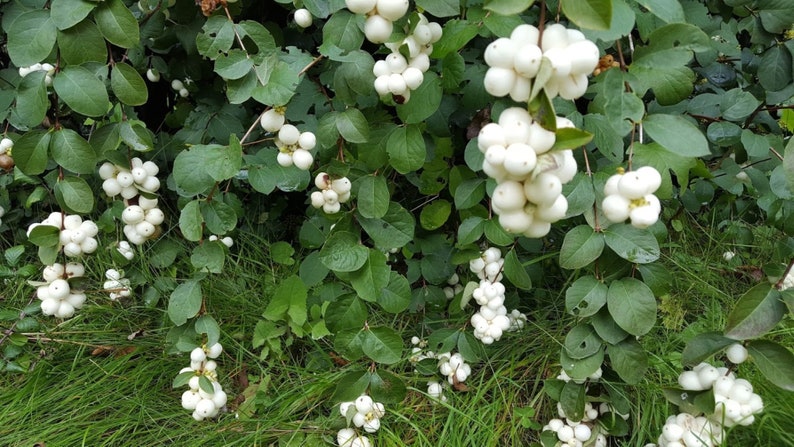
154, 216
360, 6
272, 121
616, 208
501, 53
177, 85
302, 159
303, 18
413, 77
392, 9
377, 28
288, 134
284, 159
133, 214
107, 170
736, 353
153, 75
499, 81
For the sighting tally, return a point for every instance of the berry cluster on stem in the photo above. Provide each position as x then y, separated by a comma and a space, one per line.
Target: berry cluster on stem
629, 195
205, 403
331, 192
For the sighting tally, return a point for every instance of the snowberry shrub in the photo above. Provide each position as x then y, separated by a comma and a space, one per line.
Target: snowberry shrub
454, 133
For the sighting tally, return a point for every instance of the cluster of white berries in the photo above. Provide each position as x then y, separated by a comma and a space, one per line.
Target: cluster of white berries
116, 285
453, 286
125, 249
528, 197
365, 414
331, 193
6, 144
141, 221
129, 182
492, 320
398, 75
180, 88
630, 195
686, 430
347, 437
736, 403
203, 403
575, 434
48, 68
380, 16
515, 61
57, 296
76, 235
294, 146
453, 367
141, 217
303, 18
582, 432
227, 240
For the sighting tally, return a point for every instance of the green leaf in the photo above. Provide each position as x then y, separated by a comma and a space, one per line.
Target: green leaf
668, 10
606, 328
383, 345
676, 134
128, 85
724, 133
776, 15
233, 65
440, 8
777, 68
632, 305
72, 151
372, 196
632, 244
572, 400
289, 300
755, 314
280, 86
386, 387
136, 136
32, 102
67, 13
349, 312
396, 296
343, 252
31, 37
185, 302
190, 221
219, 217
571, 138
343, 30
393, 230
216, 38
117, 23
81, 90
581, 246
74, 195
429, 98
353, 126
406, 148
703, 346
589, 14
434, 215
621, 25
580, 369
208, 257
581, 342
515, 272
629, 360
737, 104
45, 236
372, 277
470, 230
585, 297
457, 33
31, 151
692, 402
469, 193
205, 324
82, 43
191, 172
755, 145
774, 361
508, 7
351, 385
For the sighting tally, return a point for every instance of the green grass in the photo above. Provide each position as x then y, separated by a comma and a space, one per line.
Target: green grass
74, 398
